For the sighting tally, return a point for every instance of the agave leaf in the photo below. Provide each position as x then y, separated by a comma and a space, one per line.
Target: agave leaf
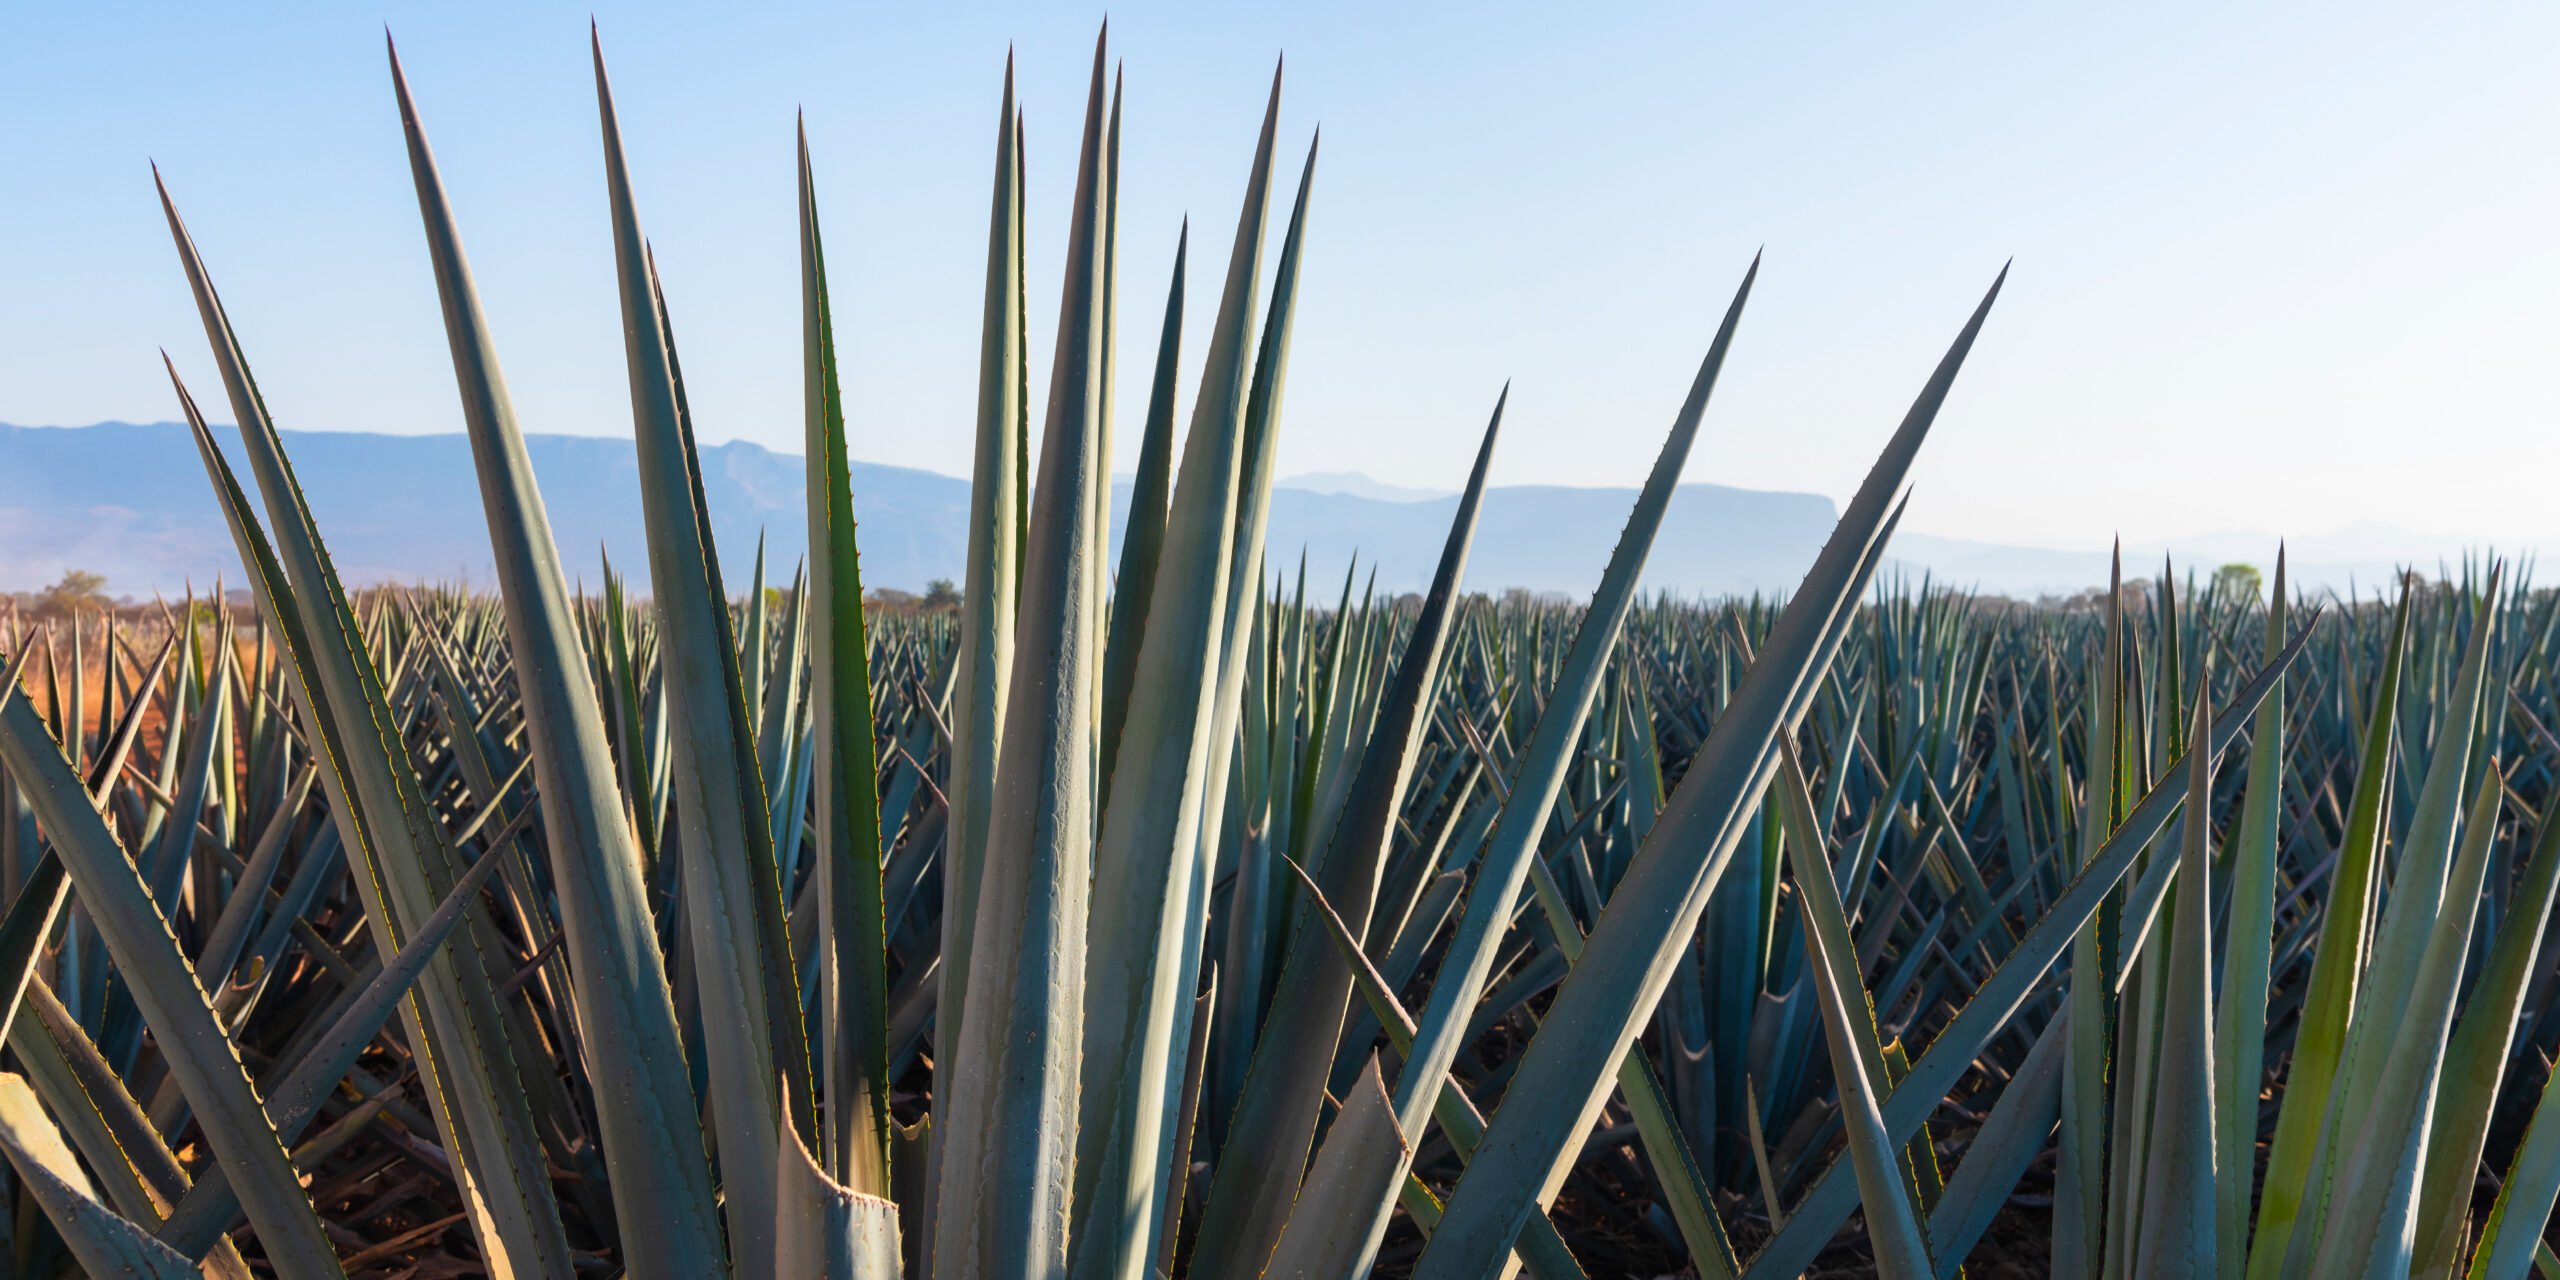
2010, 1139
626, 1015
1999, 997
753, 1036
984, 663
164, 868
2511, 1238
852, 927
103, 1123
392, 838
2337, 972
1186, 1121
1257, 1182
200, 1057
1262, 403
239, 911
1135, 962
110, 1129
1539, 1246
1106, 339
1655, 910
208, 1206
1141, 547
1848, 1023
1363, 1146
1009, 1132
104, 1243
2372, 1213
826, 1230
2476, 1061
1689, 1196
16, 673
2079, 1171
111, 759
32, 916
2176, 1236
1543, 765
2240, 1027
1827, 921
2411, 913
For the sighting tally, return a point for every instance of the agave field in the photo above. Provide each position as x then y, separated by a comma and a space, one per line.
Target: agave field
1167, 914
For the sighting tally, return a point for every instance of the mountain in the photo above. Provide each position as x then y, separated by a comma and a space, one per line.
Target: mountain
1358, 486
1715, 541
2359, 559
130, 501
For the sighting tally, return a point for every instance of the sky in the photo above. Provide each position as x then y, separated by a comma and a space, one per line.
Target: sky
2277, 270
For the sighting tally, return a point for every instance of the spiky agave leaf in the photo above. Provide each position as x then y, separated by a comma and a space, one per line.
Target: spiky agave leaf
2476, 1061
626, 1013
2407, 924
402, 863
200, 1056
105, 1243
1141, 548
1262, 406
2512, 1236
2240, 1016
1857, 1061
983, 665
853, 960
1532, 792
1008, 1138
1996, 1000
825, 1230
749, 1003
1150, 828
2176, 1236
2371, 1222
2337, 970
2080, 1186
1610, 994
1375, 1163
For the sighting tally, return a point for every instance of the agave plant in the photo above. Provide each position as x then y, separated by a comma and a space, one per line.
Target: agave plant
1148, 916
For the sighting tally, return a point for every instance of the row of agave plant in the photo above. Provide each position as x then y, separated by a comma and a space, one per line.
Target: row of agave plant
1148, 917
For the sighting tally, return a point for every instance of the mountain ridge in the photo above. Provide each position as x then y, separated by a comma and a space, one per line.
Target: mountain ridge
129, 500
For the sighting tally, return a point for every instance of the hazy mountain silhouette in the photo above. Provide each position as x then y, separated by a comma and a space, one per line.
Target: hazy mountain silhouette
131, 502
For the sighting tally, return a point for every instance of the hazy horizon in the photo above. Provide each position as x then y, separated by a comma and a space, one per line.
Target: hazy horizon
2281, 271
131, 501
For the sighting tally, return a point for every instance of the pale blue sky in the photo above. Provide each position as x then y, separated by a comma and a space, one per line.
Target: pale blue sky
2278, 270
